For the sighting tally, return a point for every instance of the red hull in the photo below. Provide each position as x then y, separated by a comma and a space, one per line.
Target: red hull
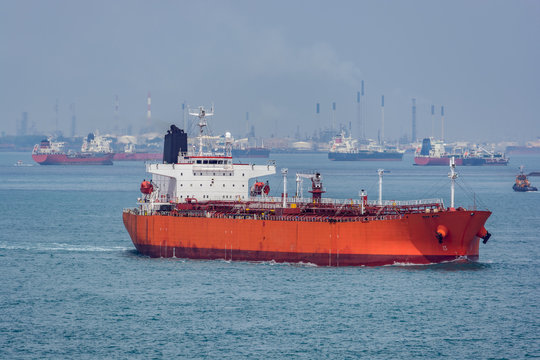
79, 159
137, 156
409, 239
426, 160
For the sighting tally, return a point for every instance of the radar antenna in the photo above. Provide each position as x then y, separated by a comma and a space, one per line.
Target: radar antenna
202, 114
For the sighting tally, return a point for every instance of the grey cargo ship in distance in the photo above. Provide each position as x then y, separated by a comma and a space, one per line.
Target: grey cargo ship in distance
345, 148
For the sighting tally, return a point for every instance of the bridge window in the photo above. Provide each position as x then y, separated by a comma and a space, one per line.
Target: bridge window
205, 162
198, 161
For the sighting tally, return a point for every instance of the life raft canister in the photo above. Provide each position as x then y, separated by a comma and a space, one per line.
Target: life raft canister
147, 187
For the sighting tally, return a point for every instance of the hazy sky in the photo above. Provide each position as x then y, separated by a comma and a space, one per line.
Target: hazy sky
275, 60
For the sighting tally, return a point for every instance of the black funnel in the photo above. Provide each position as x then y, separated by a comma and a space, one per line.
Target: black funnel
175, 144
426, 147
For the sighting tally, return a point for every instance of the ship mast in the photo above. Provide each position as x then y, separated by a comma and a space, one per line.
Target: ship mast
284, 173
453, 176
202, 114
380, 171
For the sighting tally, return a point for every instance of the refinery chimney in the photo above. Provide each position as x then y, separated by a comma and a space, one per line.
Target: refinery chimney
149, 111
413, 139
442, 123
432, 120
333, 116
73, 120
318, 116
382, 121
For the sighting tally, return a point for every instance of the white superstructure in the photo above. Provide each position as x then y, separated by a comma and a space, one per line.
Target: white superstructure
48, 147
205, 178
200, 176
96, 144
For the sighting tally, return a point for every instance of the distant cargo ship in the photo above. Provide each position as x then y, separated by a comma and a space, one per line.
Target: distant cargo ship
522, 150
200, 206
433, 153
251, 152
343, 148
130, 154
95, 150
138, 156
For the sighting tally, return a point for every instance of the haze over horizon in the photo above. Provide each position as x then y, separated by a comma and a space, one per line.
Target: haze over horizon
275, 60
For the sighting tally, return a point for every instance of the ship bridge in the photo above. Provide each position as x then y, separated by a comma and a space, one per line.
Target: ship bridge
205, 178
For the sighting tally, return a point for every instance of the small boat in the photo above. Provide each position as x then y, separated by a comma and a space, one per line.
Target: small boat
21, 164
522, 184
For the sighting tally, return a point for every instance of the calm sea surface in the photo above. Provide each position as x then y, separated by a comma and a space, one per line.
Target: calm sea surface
72, 285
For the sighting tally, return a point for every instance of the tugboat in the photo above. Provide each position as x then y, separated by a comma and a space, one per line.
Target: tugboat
522, 183
198, 205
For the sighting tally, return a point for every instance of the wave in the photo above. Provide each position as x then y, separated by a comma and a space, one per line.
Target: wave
461, 263
62, 247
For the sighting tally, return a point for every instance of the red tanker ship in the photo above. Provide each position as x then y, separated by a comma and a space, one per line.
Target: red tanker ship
200, 206
94, 151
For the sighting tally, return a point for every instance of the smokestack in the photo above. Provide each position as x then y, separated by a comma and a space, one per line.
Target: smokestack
442, 123
359, 114
23, 126
56, 119
184, 116
381, 138
73, 120
247, 124
333, 115
362, 111
149, 111
432, 120
413, 120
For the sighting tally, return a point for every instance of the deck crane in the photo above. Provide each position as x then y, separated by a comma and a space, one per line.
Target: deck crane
316, 185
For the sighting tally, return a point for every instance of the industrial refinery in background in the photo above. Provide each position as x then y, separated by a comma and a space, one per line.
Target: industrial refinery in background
146, 134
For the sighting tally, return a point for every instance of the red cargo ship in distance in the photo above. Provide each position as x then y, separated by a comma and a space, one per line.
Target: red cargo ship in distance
137, 156
130, 154
200, 206
94, 151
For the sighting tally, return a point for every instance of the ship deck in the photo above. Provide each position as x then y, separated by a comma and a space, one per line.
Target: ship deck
328, 210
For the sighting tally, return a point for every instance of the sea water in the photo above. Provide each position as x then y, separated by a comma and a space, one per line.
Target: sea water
73, 286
